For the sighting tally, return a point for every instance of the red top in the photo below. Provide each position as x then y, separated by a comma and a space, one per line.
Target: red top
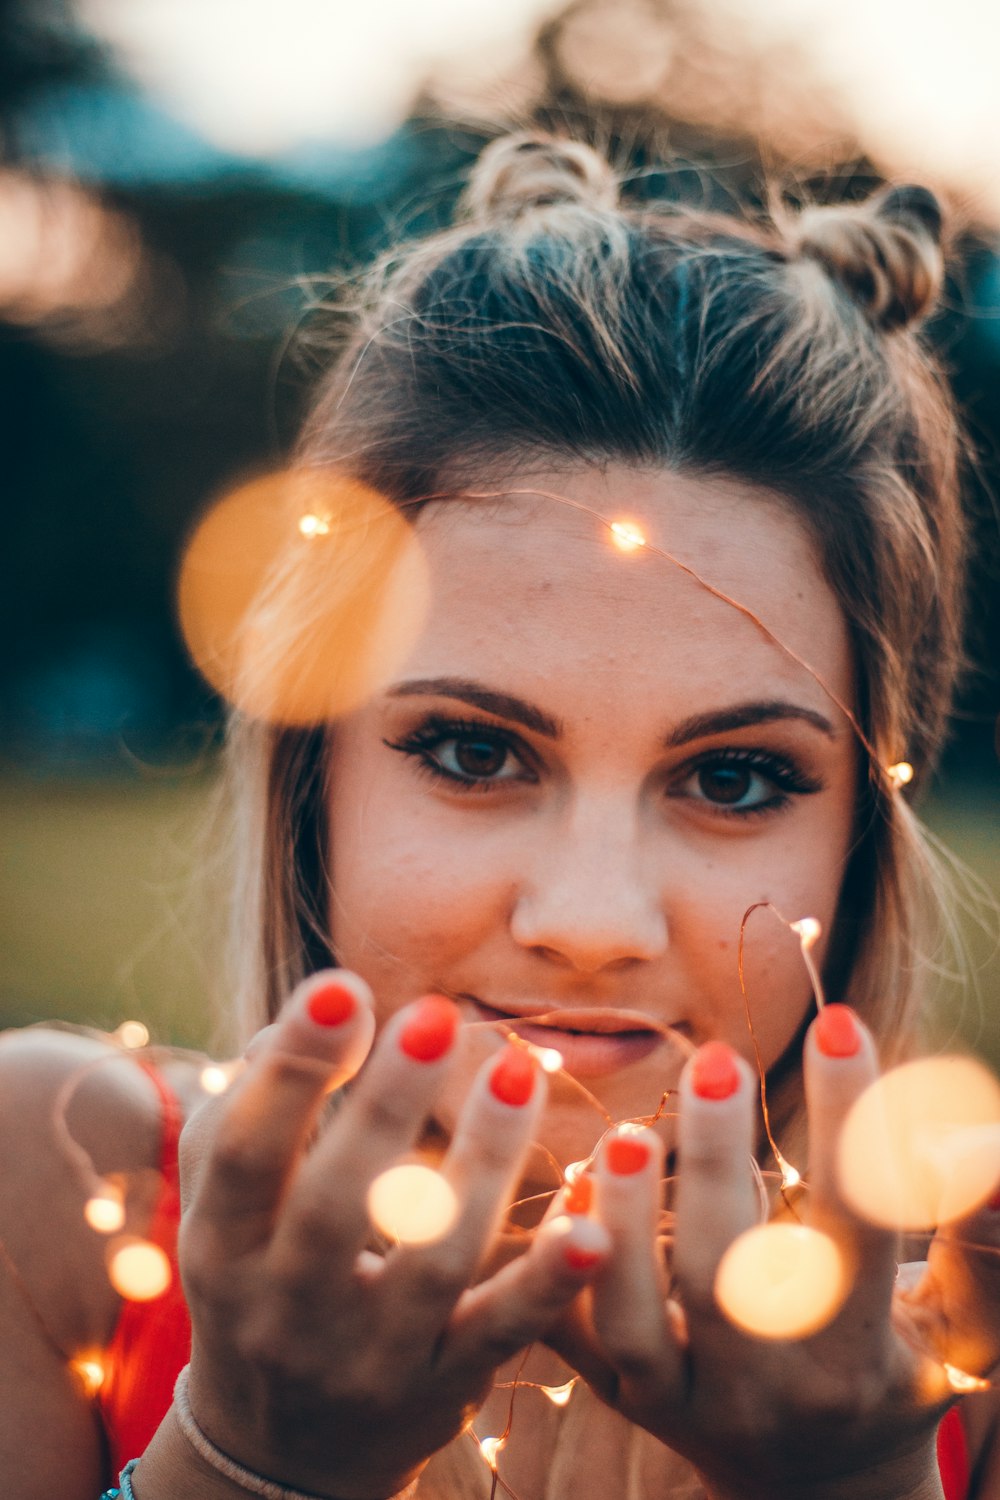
152, 1340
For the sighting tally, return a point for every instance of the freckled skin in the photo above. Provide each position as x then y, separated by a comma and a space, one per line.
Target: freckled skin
604, 876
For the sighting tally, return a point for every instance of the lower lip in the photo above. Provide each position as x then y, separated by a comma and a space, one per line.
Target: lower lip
585, 1054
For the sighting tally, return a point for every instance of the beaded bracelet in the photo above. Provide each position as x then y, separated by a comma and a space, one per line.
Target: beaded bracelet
125, 1480
254, 1484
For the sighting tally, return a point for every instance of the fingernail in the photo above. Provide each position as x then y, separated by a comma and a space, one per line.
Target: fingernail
430, 1030
625, 1155
331, 1005
837, 1033
580, 1260
714, 1072
993, 1204
512, 1080
578, 1195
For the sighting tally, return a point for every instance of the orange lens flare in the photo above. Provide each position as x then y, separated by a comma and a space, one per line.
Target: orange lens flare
781, 1281
300, 595
921, 1147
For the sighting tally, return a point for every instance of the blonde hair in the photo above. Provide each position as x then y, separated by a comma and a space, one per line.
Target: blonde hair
552, 322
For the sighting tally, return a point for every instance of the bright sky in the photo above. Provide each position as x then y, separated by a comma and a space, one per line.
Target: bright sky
259, 77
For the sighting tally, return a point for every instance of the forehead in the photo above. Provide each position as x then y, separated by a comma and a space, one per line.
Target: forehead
536, 585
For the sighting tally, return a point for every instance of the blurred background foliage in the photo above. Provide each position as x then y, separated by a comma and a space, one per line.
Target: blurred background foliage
179, 180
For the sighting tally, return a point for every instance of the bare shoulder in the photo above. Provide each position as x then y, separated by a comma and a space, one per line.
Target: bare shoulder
66, 1100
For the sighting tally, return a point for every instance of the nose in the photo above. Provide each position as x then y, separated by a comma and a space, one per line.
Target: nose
589, 899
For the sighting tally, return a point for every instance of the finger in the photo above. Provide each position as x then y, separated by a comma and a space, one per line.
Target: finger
378, 1121
840, 1064
251, 1138
629, 1296
521, 1303
716, 1199
957, 1304
483, 1165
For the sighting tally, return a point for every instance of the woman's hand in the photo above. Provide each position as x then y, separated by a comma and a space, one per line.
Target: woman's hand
316, 1362
851, 1410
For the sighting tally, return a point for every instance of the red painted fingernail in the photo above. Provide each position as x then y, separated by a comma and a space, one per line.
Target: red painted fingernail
625, 1155
512, 1080
993, 1204
430, 1030
581, 1260
579, 1195
714, 1072
331, 1004
837, 1033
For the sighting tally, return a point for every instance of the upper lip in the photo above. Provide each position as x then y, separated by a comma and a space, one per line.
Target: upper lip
597, 1020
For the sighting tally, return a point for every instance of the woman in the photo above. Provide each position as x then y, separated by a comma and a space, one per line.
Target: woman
580, 810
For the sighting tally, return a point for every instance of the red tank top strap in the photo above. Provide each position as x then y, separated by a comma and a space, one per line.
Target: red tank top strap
152, 1340
953, 1456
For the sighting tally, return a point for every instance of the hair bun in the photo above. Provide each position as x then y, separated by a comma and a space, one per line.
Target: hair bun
518, 174
886, 252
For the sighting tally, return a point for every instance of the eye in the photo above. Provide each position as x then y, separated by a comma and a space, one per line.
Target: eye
468, 755
744, 781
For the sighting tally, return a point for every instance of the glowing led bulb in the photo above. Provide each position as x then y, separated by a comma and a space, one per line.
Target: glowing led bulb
550, 1059
215, 1078
626, 536
132, 1034
780, 1281
961, 1381
489, 1447
105, 1209
312, 525
790, 1176
559, 1394
412, 1204
808, 930
91, 1372
138, 1270
901, 774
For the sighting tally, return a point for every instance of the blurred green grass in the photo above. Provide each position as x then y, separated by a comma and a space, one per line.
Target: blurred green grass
101, 918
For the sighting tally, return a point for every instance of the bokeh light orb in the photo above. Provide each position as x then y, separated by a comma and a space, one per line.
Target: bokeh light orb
412, 1204
300, 594
921, 1147
781, 1281
138, 1270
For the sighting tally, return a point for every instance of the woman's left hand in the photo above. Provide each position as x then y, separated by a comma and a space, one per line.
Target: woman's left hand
851, 1409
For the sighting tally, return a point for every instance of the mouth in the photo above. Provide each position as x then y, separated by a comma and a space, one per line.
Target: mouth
592, 1042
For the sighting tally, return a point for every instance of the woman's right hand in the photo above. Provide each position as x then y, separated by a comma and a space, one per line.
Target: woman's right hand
315, 1362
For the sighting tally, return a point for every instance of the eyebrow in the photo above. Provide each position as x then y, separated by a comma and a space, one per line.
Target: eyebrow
698, 726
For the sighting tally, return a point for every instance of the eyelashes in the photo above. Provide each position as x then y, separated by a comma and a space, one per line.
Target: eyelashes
477, 756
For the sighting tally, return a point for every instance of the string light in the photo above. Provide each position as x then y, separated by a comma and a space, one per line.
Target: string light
550, 1059
105, 1210
412, 1204
311, 525
627, 538
489, 1447
962, 1382
138, 1270
791, 1177
559, 1394
781, 1281
133, 1035
900, 775
90, 1372
215, 1078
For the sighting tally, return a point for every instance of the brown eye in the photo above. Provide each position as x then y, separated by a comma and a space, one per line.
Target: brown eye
725, 784
479, 757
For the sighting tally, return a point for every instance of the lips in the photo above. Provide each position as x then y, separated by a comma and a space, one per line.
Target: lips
593, 1042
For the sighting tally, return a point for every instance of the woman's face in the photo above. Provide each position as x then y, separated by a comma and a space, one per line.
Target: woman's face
587, 770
